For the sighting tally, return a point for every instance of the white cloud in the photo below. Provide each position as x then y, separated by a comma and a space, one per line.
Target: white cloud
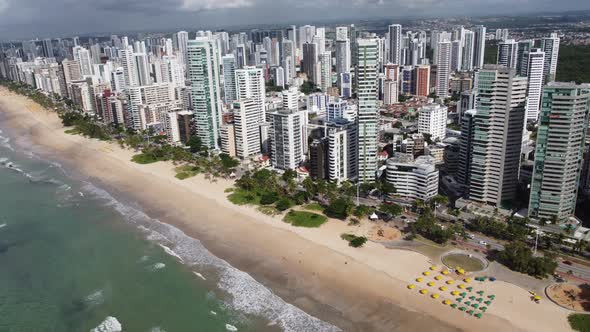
3, 5
195, 5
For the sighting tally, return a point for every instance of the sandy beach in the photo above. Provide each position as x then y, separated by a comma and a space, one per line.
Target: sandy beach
355, 289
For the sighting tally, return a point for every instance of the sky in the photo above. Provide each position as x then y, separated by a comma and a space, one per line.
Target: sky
62, 18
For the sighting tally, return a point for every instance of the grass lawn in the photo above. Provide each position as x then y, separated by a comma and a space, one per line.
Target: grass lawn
313, 207
579, 322
243, 197
144, 159
304, 219
186, 171
268, 210
464, 261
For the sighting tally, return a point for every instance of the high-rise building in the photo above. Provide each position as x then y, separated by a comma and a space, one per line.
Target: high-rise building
229, 78
250, 85
83, 57
479, 41
47, 48
325, 71
499, 124
432, 121
341, 33
129, 67
390, 92
466, 147
182, 37
422, 80
310, 62
468, 51
342, 150
507, 53
203, 73
368, 114
413, 178
559, 151
550, 46
247, 128
456, 55
291, 99
343, 60
524, 46
286, 139
395, 44
443, 69
533, 69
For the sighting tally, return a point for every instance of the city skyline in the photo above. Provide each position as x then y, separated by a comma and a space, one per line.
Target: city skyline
106, 17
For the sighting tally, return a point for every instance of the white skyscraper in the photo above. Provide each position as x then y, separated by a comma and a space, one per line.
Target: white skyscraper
508, 53
456, 55
129, 66
250, 85
325, 71
468, 51
534, 65
343, 58
286, 139
444, 69
203, 72
83, 57
395, 44
247, 128
291, 99
341, 33
368, 113
479, 42
229, 78
390, 92
432, 121
550, 46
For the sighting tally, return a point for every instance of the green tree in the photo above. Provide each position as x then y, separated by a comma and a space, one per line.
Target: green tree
195, 144
339, 208
393, 209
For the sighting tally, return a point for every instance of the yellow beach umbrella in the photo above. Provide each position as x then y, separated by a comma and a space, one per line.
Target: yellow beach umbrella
446, 302
450, 282
423, 291
437, 277
461, 286
460, 271
467, 280
537, 298
445, 272
433, 267
419, 279
443, 288
426, 273
435, 296
411, 286
430, 284
455, 293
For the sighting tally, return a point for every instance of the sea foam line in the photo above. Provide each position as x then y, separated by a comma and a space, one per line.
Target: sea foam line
247, 295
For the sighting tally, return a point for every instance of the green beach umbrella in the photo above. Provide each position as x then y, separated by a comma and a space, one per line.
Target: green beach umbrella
475, 305
467, 302
462, 308
472, 297
454, 305
488, 302
478, 315
459, 299
483, 309
470, 312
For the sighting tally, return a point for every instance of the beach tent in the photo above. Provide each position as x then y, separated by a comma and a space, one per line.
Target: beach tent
374, 216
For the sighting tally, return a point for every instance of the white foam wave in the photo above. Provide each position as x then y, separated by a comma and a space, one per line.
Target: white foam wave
143, 259
157, 266
95, 298
5, 142
199, 275
171, 252
213, 313
230, 327
157, 329
247, 295
3, 225
110, 324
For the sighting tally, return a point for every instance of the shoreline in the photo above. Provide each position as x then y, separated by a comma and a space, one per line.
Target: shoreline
313, 269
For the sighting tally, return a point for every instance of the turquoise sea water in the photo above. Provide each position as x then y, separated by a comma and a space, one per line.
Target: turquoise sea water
71, 256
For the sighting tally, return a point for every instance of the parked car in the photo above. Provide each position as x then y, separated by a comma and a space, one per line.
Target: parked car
483, 243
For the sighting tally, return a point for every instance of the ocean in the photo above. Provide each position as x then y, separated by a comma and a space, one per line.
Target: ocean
74, 258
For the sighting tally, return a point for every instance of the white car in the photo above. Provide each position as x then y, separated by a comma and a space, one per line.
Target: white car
483, 243
471, 236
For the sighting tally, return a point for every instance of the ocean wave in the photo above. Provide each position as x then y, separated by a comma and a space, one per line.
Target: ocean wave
157, 266
3, 225
110, 324
247, 295
95, 298
157, 329
230, 327
171, 252
5, 142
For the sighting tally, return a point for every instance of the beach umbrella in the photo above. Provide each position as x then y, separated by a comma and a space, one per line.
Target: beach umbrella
454, 305
454, 293
445, 272
461, 286
459, 299
467, 302
450, 282
433, 267
411, 286
472, 297
443, 288
437, 277
479, 300
470, 288
460, 271
435, 296
537, 298
419, 279
478, 315
470, 312
480, 292
462, 308
488, 303
491, 297
423, 291
426, 273
483, 309
430, 284
446, 302
467, 280
475, 305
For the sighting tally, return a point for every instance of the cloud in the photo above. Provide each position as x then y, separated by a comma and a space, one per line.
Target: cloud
196, 5
3, 5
